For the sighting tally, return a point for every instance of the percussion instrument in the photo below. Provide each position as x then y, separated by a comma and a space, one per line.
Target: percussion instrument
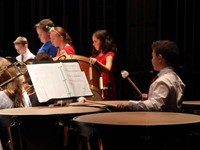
92, 73
40, 127
7, 69
138, 130
191, 107
108, 105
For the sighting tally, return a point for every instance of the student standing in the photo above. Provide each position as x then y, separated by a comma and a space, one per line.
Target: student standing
44, 36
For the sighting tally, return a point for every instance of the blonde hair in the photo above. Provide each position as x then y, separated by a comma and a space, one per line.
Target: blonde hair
62, 32
43, 23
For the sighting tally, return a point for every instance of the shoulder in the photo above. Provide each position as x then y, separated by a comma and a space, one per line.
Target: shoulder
5, 101
170, 78
48, 48
110, 53
49, 45
18, 58
29, 52
69, 49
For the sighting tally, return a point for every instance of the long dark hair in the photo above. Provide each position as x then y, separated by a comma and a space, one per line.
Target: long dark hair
106, 42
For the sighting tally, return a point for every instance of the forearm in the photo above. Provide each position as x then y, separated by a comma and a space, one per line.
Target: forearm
146, 105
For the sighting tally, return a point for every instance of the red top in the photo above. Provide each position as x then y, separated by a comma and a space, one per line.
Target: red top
68, 49
108, 78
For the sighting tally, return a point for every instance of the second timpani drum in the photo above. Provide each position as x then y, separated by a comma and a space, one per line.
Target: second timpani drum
139, 130
40, 128
192, 107
108, 105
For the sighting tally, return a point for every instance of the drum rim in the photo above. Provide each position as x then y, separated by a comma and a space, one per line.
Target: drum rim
82, 58
181, 123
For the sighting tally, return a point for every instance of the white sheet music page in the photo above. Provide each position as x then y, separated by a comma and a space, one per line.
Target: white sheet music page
76, 79
58, 80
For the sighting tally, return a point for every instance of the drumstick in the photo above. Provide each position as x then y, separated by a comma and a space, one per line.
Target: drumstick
101, 103
125, 75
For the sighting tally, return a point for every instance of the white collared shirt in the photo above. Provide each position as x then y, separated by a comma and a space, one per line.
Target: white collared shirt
26, 56
165, 94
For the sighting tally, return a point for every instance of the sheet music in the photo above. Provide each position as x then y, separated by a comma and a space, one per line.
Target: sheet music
76, 79
58, 80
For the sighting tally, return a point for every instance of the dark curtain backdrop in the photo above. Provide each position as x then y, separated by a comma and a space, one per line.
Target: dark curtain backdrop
134, 25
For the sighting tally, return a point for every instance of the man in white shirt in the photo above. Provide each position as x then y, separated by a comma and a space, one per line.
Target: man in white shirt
21, 45
167, 91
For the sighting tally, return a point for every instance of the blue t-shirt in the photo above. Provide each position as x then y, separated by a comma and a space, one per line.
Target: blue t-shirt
48, 48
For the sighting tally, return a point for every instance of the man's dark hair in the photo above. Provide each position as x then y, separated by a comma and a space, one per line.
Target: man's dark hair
169, 50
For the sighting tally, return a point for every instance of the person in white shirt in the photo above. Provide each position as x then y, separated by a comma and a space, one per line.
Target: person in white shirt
21, 45
167, 91
11, 88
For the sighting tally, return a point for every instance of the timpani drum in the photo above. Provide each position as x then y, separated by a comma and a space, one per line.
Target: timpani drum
92, 73
108, 105
40, 128
192, 107
139, 130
